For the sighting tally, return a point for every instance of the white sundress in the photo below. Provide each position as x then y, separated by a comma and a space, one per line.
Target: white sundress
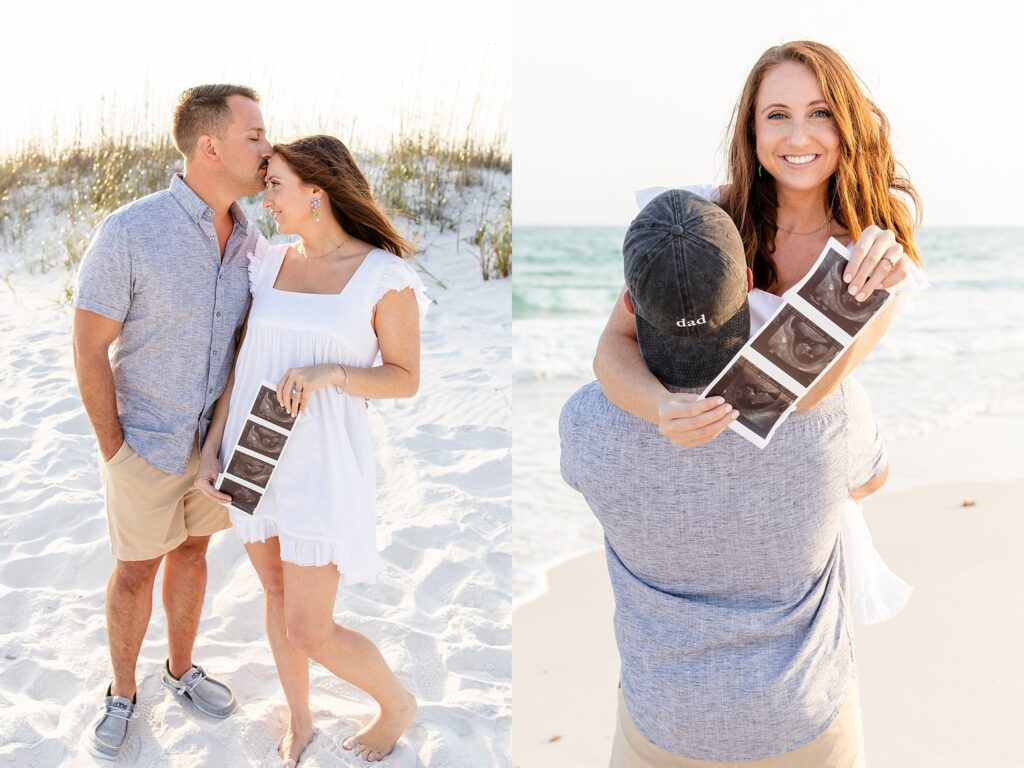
320, 502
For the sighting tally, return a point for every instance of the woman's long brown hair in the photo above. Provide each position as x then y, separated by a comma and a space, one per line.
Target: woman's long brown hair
862, 191
325, 162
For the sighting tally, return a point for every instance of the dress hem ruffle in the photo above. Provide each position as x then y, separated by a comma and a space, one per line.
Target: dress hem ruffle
356, 566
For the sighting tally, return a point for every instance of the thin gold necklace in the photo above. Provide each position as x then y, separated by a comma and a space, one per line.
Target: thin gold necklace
305, 255
828, 219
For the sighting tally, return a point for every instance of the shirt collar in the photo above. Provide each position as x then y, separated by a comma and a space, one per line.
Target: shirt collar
197, 208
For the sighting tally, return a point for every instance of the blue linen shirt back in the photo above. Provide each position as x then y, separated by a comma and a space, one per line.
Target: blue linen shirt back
727, 569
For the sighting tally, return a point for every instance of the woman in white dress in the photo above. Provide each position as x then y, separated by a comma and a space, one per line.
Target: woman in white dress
809, 159
323, 307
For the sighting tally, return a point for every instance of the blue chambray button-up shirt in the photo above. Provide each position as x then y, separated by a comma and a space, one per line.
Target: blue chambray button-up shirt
155, 266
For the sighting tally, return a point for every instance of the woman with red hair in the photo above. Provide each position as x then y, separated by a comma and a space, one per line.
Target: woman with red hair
809, 159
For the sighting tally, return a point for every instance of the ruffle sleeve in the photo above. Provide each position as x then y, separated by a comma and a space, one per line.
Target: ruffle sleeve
909, 287
644, 196
257, 257
399, 275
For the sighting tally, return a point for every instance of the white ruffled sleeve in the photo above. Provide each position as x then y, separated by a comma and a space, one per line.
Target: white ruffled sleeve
257, 257
644, 196
912, 284
399, 275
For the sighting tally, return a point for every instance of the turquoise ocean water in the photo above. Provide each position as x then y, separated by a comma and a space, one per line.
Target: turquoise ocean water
954, 356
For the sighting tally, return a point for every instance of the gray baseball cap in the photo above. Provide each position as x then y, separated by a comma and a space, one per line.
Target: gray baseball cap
686, 272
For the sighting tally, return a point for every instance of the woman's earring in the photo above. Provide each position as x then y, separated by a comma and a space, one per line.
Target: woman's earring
314, 205
759, 169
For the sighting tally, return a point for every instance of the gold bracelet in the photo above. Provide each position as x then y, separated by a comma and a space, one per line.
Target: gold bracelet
341, 390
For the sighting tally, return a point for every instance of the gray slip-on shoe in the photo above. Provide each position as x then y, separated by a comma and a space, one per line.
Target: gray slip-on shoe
211, 697
109, 732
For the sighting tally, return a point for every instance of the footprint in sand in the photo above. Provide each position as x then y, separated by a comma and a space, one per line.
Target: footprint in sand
432, 437
438, 588
11, 447
490, 662
488, 479
428, 670
23, 572
404, 557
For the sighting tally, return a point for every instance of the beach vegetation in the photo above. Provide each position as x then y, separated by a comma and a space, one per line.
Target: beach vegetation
51, 199
493, 239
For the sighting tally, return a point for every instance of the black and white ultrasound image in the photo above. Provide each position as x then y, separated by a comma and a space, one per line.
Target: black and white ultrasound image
757, 397
250, 469
242, 498
796, 345
267, 408
827, 293
262, 440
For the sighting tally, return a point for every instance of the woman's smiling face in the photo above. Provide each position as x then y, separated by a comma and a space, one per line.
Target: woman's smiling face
287, 197
797, 138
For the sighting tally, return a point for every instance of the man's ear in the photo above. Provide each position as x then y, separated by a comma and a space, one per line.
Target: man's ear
204, 147
750, 279
628, 302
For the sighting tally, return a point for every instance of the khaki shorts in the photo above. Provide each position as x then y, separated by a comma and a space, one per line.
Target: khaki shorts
150, 512
840, 746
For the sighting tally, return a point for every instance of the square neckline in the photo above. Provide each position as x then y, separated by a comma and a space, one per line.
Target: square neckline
344, 288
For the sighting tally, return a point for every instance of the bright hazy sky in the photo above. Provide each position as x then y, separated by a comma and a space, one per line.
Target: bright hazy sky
605, 103
362, 69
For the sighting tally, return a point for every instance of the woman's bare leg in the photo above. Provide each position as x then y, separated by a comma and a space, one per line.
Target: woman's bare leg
292, 664
309, 594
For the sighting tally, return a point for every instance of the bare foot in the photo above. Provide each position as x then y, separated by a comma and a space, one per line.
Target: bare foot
376, 740
294, 743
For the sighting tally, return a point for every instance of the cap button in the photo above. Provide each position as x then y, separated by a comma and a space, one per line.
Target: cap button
677, 229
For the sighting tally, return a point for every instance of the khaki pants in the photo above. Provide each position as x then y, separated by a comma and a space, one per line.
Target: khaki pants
150, 512
840, 746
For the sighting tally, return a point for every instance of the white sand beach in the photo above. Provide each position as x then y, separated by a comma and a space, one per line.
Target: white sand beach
440, 612
940, 682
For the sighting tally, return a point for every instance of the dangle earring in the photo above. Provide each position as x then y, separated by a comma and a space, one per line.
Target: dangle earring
314, 206
759, 169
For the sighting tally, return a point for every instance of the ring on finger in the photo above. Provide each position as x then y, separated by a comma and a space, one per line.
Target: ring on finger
892, 262
296, 391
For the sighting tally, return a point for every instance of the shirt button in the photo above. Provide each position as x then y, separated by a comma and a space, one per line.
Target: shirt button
212, 237
218, 314
210, 390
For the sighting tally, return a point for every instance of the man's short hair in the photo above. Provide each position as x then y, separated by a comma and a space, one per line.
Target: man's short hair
204, 110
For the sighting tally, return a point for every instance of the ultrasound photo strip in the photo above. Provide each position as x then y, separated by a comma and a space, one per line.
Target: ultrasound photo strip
243, 498
825, 298
261, 443
760, 400
794, 344
795, 348
249, 468
267, 410
262, 440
